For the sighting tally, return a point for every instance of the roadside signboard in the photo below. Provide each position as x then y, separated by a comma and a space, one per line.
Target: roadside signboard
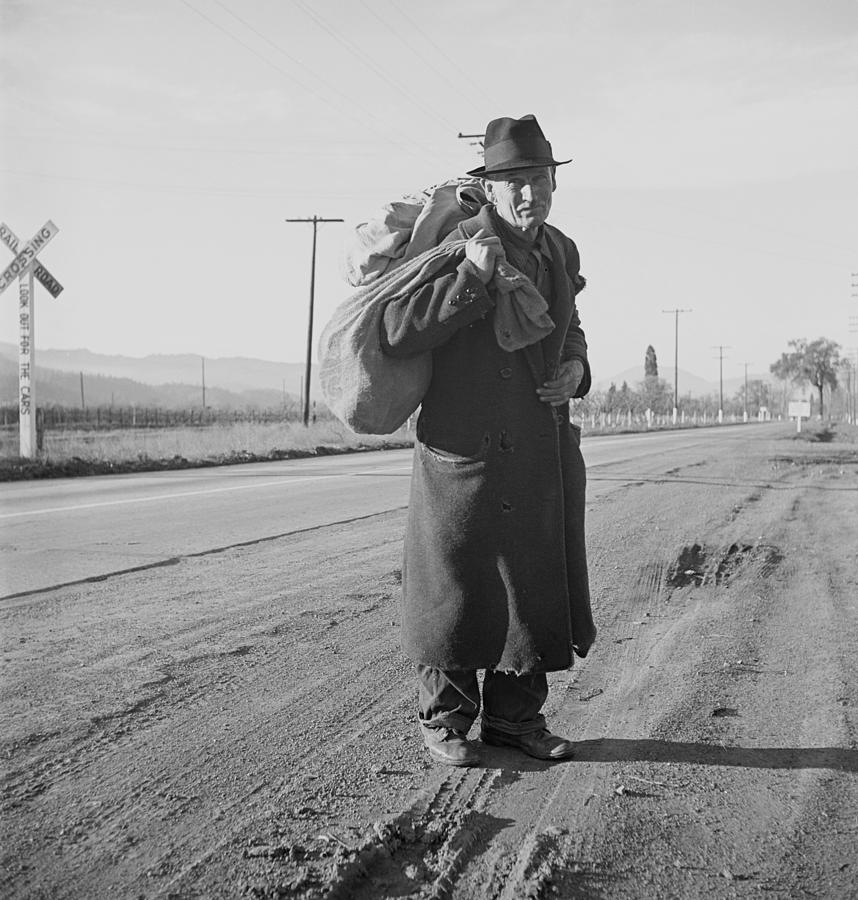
48, 282
27, 255
43, 276
798, 410
25, 268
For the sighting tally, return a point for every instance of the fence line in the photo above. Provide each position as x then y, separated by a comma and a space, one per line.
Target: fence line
113, 418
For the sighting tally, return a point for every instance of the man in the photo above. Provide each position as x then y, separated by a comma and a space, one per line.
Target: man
495, 572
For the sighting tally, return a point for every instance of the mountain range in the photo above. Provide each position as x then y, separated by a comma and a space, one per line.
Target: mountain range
172, 381
175, 381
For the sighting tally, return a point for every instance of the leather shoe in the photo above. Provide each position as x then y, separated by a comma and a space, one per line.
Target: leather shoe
449, 747
538, 744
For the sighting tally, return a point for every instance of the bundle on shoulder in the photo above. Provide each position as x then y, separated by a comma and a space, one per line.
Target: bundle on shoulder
408, 227
388, 256
392, 257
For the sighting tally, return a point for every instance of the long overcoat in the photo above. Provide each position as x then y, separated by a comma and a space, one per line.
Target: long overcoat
495, 571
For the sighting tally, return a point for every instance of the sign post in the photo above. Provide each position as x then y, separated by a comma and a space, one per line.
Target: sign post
26, 269
797, 410
26, 367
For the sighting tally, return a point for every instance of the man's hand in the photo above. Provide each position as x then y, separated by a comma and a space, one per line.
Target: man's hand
483, 252
562, 388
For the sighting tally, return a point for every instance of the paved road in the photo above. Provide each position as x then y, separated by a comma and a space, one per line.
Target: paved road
60, 531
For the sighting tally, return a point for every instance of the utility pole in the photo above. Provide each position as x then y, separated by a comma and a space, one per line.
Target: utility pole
306, 399
675, 313
850, 390
475, 139
852, 369
720, 348
745, 404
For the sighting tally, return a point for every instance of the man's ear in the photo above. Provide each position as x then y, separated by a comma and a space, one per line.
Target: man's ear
489, 190
553, 178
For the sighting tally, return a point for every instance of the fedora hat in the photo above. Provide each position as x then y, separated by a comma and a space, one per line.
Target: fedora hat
515, 144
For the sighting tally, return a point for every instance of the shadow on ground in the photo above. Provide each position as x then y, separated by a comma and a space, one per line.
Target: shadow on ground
625, 750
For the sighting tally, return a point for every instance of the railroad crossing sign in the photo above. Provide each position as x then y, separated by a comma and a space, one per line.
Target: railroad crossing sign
26, 268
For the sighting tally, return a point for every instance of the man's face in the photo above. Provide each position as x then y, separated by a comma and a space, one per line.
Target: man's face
522, 197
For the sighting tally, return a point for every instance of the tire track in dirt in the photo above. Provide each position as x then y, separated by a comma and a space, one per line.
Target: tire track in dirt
191, 684
254, 727
537, 840
552, 845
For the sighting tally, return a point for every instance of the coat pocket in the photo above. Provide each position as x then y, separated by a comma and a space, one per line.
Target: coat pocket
445, 457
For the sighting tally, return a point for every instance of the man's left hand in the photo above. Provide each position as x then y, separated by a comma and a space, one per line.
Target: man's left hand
562, 388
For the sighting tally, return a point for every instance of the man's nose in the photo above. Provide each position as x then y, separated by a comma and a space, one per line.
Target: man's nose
527, 191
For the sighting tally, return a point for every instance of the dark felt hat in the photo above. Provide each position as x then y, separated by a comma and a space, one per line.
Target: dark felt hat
515, 144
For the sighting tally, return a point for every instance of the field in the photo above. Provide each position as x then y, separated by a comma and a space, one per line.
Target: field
82, 452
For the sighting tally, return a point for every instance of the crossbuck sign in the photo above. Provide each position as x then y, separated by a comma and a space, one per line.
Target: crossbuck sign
25, 268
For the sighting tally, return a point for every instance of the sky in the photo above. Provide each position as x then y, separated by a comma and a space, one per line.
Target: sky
714, 147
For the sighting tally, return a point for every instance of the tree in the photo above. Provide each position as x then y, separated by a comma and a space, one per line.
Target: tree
813, 361
656, 395
757, 398
611, 398
650, 363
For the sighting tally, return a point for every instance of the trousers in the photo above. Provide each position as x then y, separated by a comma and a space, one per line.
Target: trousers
510, 703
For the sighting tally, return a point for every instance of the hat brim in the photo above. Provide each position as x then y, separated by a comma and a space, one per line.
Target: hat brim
482, 171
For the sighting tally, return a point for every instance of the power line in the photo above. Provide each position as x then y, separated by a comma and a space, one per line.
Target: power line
418, 52
302, 84
266, 194
689, 236
744, 222
256, 53
492, 101
312, 148
385, 76
351, 103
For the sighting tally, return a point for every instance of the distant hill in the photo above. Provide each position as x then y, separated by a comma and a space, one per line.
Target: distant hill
233, 373
54, 387
175, 381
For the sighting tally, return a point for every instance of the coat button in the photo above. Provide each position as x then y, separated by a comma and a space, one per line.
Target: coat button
506, 373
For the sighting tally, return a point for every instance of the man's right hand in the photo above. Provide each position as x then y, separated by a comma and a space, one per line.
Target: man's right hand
483, 252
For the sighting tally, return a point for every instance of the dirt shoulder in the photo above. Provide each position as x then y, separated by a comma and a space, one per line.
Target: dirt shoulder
242, 724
